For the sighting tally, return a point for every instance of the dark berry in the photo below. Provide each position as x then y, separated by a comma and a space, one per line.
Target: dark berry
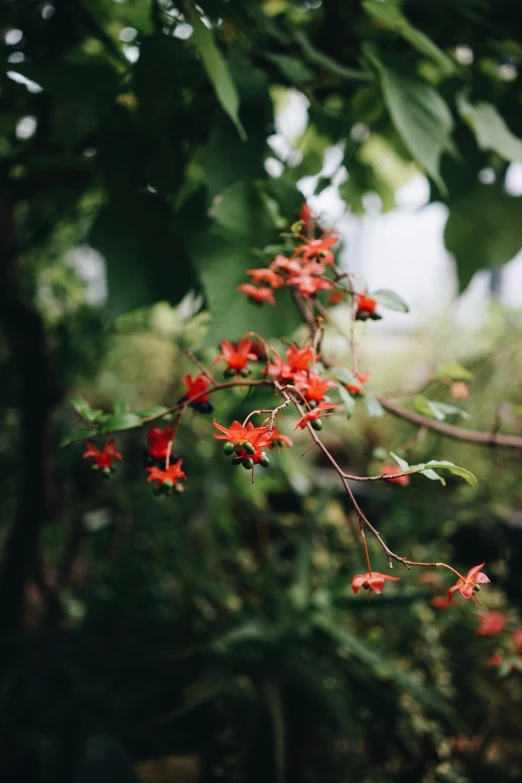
249, 448
229, 372
204, 407
228, 448
317, 424
148, 460
264, 461
248, 463
245, 372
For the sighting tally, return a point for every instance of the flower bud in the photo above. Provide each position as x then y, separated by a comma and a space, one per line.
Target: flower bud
317, 424
248, 463
228, 448
476, 589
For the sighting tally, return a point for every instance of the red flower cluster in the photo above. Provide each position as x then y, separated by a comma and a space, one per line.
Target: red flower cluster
167, 480
247, 444
102, 459
305, 270
237, 357
491, 623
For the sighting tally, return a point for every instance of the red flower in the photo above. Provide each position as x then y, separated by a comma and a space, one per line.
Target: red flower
237, 357
102, 459
196, 386
468, 585
360, 379
308, 285
315, 414
313, 386
336, 297
266, 275
278, 439
440, 602
158, 441
248, 441
491, 623
495, 660
289, 265
257, 294
298, 362
389, 469
366, 307
168, 478
373, 582
317, 249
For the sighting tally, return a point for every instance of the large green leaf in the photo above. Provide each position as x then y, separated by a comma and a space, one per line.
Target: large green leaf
391, 17
418, 111
216, 67
222, 254
146, 259
484, 229
490, 130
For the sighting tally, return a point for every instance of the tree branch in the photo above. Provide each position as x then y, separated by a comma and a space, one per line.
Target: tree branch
450, 430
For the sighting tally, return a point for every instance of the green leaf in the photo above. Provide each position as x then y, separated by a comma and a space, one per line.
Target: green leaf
82, 407
419, 113
404, 466
222, 254
292, 68
347, 400
455, 372
373, 406
155, 410
317, 57
216, 67
437, 410
390, 300
484, 229
77, 435
391, 17
146, 256
92, 86
120, 421
467, 475
490, 130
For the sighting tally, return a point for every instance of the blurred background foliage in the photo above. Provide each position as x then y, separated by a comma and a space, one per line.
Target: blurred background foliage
215, 636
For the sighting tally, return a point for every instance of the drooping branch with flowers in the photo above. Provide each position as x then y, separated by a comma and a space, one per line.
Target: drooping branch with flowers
302, 380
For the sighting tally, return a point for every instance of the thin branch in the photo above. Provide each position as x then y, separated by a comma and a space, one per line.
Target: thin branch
450, 430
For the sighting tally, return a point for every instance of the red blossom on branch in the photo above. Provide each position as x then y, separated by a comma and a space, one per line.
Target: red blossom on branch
313, 386
237, 356
469, 585
315, 414
266, 275
374, 582
360, 379
102, 458
169, 478
289, 265
318, 250
278, 439
366, 307
259, 295
307, 285
158, 441
195, 386
389, 468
